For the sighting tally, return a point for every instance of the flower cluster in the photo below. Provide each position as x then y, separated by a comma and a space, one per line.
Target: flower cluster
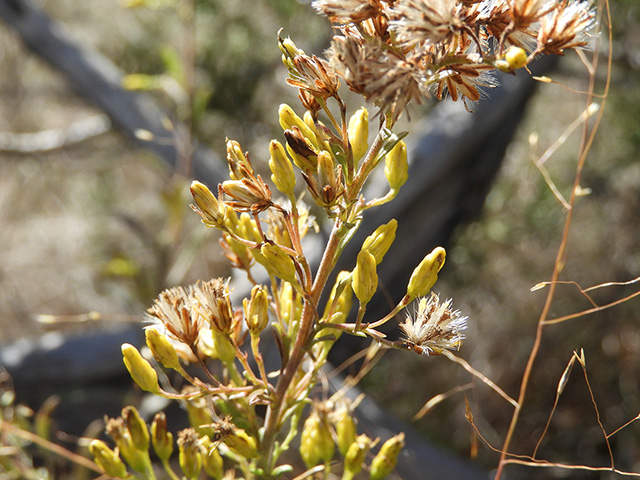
394, 52
249, 411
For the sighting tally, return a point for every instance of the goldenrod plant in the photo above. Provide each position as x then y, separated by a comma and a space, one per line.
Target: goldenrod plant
245, 414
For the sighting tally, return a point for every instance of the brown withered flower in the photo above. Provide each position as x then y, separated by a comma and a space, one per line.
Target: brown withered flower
212, 302
172, 313
566, 27
348, 11
463, 81
381, 75
313, 75
248, 194
425, 21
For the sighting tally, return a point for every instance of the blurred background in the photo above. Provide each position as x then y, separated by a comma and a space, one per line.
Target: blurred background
102, 225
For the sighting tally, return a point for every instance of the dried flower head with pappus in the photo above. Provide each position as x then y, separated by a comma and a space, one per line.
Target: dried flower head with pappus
249, 412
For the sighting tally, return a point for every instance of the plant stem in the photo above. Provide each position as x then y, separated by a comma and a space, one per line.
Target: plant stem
309, 313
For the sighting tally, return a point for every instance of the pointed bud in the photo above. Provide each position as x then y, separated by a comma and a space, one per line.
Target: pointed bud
211, 459
316, 443
242, 443
289, 119
162, 349
386, 459
379, 242
345, 431
365, 278
161, 438
300, 150
108, 461
425, 274
396, 167
288, 48
358, 131
189, 455
207, 205
277, 262
200, 416
256, 310
223, 348
355, 456
238, 162
137, 428
140, 370
282, 174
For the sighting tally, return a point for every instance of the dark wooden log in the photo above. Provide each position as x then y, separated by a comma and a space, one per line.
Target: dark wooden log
98, 81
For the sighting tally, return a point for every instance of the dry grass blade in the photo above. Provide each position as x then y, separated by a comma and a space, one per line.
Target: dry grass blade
433, 401
561, 384
480, 376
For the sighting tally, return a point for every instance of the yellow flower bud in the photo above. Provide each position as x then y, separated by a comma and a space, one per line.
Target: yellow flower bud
162, 349
189, 455
239, 165
224, 349
316, 443
358, 132
136, 427
290, 305
140, 370
385, 461
256, 310
277, 262
108, 461
396, 167
211, 459
425, 275
289, 119
516, 57
355, 456
379, 242
242, 443
288, 48
207, 205
365, 278
161, 438
248, 227
345, 431
282, 174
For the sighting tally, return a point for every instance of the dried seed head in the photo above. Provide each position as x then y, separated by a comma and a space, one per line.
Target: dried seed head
190, 457
425, 21
348, 11
435, 327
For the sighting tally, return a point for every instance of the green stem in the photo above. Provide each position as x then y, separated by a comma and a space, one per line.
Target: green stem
275, 409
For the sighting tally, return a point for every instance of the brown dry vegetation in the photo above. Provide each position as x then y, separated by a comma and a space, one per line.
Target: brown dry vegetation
65, 249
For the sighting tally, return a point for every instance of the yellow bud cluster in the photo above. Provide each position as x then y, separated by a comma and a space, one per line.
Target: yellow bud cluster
316, 442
